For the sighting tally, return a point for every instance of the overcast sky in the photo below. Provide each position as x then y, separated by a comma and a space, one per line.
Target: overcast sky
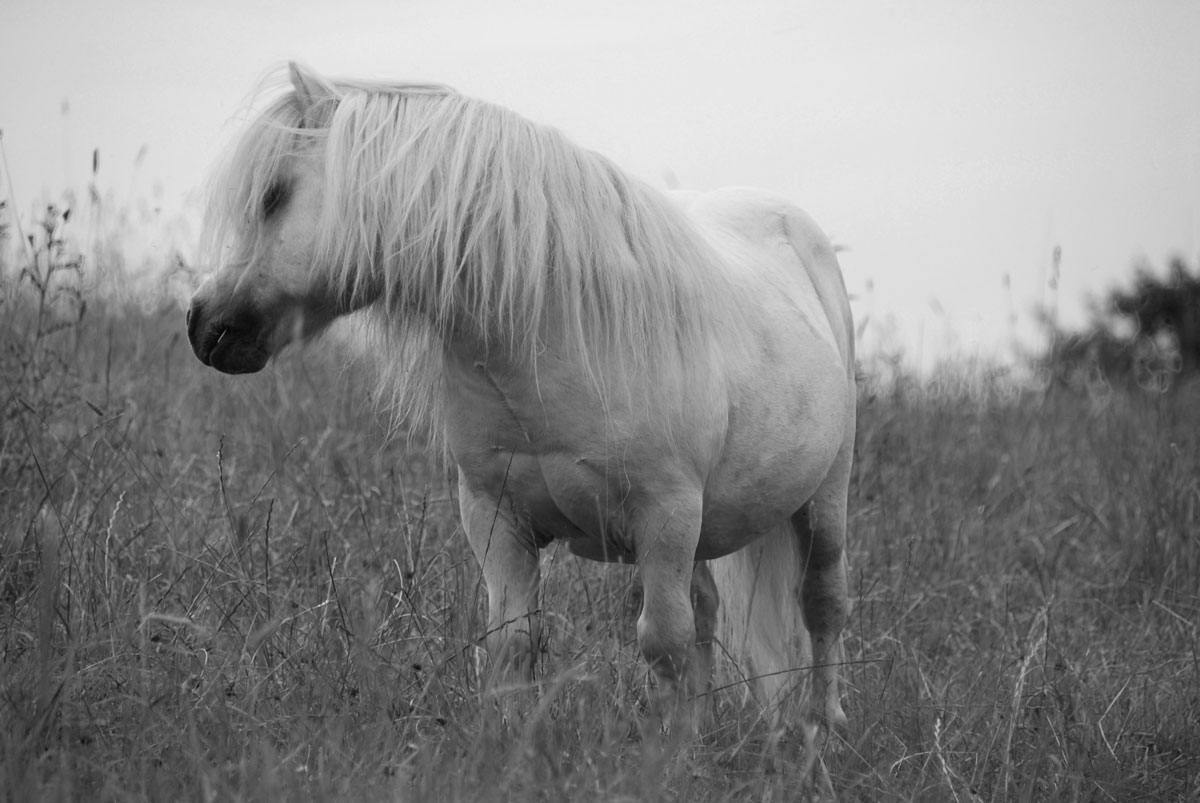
946, 145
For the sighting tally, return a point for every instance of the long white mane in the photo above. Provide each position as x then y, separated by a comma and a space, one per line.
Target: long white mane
461, 216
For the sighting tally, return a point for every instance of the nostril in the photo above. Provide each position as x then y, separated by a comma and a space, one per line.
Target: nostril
193, 322
200, 316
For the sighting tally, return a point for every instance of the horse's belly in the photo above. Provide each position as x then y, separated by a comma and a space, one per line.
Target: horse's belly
756, 449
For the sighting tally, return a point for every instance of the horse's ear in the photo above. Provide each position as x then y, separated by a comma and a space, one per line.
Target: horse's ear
309, 90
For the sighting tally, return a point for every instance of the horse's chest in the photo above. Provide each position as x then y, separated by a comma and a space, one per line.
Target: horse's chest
556, 496
555, 485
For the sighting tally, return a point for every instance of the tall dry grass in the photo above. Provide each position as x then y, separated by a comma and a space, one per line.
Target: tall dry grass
217, 588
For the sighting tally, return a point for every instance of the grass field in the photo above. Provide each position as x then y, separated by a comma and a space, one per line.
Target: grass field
217, 588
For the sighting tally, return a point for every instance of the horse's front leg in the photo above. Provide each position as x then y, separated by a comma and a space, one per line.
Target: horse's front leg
509, 559
665, 537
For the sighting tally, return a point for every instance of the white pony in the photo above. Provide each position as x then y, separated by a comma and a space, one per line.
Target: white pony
661, 380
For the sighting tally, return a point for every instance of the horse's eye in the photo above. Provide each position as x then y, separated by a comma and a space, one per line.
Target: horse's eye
273, 199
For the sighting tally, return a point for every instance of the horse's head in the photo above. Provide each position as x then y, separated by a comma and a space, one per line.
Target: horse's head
262, 299
266, 292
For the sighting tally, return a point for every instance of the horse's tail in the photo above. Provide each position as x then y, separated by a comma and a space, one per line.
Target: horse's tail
761, 641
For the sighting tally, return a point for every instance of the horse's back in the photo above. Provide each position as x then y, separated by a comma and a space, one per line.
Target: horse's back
774, 245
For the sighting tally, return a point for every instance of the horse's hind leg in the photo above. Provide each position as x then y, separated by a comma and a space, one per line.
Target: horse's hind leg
821, 527
509, 560
704, 613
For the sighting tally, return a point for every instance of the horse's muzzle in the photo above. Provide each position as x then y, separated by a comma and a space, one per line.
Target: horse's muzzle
229, 345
